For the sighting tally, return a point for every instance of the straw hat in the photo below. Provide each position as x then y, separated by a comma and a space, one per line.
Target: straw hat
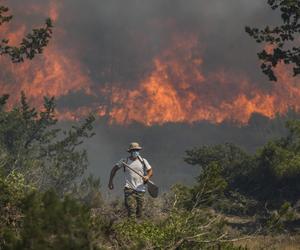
134, 146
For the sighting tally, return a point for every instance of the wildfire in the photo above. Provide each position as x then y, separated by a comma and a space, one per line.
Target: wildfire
177, 89
54, 73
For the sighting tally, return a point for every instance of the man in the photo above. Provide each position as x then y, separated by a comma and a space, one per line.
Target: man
135, 188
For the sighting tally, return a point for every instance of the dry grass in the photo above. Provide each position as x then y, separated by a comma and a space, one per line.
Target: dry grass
286, 241
280, 242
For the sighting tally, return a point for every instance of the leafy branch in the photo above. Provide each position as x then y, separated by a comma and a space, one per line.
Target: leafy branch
281, 39
32, 44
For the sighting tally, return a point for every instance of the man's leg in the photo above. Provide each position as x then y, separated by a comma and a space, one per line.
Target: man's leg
129, 202
139, 196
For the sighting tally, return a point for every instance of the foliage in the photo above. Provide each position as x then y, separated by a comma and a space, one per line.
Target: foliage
230, 181
277, 168
30, 143
227, 157
274, 169
222, 168
35, 155
32, 44
281, 40
13, 190
210, 185
51, 223
3, 15
275, 222
88, 192
180, 230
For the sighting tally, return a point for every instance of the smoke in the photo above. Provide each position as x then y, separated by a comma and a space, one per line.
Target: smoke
160, 63
147, 61
164, 146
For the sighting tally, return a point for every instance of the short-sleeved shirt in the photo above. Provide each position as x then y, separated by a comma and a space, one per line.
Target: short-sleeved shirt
132, 180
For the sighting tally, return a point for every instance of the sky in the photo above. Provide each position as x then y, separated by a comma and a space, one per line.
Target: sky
170, 74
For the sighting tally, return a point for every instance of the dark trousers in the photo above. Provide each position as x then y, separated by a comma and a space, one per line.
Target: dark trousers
134, 202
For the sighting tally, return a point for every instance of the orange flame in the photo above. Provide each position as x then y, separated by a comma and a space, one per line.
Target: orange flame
176, 90
54, 73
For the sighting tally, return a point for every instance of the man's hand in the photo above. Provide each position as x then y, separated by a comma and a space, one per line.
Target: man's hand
111, 186
146, 178
112, 174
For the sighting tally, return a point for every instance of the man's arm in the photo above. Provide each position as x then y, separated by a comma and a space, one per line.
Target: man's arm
112, 175
148, 176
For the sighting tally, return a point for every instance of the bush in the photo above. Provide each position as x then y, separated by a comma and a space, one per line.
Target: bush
274, 169
51, 223
182, 229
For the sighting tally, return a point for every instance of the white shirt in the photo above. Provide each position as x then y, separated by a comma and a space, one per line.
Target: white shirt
132, 180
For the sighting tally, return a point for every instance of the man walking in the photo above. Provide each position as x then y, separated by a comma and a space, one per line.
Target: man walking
135, 188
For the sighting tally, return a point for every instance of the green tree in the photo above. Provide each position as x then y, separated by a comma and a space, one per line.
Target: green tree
32, 144
14, 189
51, 223
223, 172
32, 44
278, 167
282, 39
228, 170
231, 159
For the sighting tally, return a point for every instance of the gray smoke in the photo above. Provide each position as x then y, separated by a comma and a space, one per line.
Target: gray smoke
116, 41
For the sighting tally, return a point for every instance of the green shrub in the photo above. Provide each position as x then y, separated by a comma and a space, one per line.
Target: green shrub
182, 229
51, 223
